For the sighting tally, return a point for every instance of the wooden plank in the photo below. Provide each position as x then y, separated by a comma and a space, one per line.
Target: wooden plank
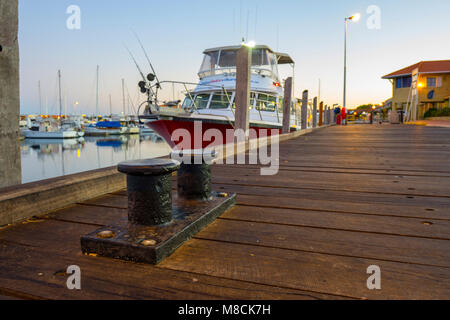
341, 201
288, 166
24, 201
407, 185
320, 232
337, 242
309, 271
256, 212
34, 254
432, 229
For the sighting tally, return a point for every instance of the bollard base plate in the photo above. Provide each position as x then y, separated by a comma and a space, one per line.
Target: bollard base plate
152, 244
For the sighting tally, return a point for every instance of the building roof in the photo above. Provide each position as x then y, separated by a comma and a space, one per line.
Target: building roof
438, 66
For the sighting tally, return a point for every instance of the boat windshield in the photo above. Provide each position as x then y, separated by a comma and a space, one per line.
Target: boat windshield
264, 62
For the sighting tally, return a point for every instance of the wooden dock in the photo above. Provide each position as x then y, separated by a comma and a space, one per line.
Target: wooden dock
345, 198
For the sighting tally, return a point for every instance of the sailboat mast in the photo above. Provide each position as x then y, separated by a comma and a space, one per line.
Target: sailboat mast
123, 95
110, 106
40, 98
96, 95
60, 98
65, 104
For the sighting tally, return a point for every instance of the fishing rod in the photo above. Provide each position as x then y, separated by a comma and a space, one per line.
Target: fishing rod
146, 56
143, 84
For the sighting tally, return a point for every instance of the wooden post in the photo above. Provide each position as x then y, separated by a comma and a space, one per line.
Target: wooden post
10, 167
330, 115
321, 114
304, 109
243, 74
287, 105
315, 113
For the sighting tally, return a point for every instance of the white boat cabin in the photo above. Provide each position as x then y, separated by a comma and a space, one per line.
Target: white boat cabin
215, 93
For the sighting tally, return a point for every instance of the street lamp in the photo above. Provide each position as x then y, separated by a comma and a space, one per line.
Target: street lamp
354, 18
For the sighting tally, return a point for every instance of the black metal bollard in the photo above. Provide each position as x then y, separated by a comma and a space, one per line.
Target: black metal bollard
149, 189
194, 176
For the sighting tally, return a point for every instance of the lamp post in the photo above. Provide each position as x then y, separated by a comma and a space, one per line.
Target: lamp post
354, 18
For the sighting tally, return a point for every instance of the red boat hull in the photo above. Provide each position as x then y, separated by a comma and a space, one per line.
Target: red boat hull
169, 131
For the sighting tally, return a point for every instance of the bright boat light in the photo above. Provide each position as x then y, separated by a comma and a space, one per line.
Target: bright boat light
250, 44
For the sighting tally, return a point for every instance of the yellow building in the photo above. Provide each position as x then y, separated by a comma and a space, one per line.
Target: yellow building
433, 85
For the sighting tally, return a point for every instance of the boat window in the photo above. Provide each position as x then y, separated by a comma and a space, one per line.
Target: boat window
266, 103
259, 57
187, 104
201, 101
209, 62
220, 101
227, 59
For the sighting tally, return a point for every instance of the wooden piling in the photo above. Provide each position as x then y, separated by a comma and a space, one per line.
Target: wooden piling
243, 75
321, 114
315, 113
327, 115
287, 105
10, 164
304, 109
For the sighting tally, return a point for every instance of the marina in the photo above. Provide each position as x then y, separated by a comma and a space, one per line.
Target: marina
241, 180
313, 240
49, 158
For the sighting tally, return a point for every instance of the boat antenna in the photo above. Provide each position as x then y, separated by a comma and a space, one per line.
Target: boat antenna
146, 56
248, 18
256, 20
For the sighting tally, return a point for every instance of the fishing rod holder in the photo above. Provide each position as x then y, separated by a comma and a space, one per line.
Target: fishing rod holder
160, 217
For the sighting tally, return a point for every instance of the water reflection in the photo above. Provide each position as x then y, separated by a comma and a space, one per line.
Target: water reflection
45, 158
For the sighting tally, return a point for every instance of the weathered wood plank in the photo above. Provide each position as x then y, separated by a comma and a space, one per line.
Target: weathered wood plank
310, 271
306, 230
407, 185
35, 264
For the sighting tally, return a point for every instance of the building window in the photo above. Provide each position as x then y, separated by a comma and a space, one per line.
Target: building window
431, 82
407, 81
403, 82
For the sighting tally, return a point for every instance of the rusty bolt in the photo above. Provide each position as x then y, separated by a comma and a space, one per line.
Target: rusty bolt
148, 243
105, 234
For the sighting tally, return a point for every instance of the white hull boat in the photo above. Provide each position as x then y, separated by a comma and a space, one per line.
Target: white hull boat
29, 134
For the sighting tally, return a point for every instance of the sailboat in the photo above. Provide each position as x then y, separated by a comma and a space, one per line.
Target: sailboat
50, 128
104, 128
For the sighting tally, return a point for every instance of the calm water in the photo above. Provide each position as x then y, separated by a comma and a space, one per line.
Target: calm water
44, 159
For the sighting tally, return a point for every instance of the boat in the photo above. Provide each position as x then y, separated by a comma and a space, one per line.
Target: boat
49, 129
143, 129
212, 102
105, 128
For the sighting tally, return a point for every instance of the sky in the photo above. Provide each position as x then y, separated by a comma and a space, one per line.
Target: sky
175, 33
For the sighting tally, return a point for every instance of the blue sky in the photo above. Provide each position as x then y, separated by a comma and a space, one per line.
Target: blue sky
175, 32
